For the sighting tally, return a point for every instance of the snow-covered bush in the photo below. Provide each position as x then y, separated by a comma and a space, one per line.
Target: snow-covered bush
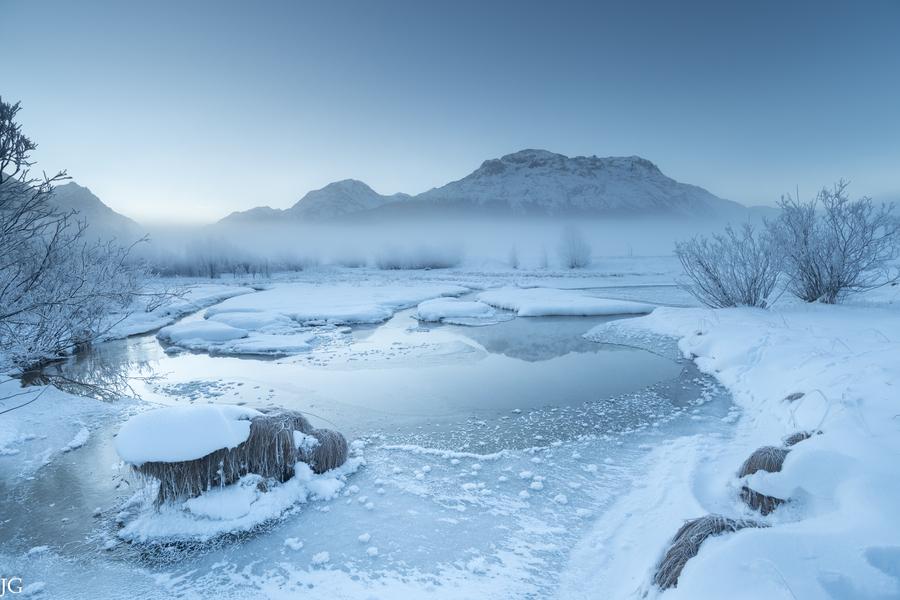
833, 245
57, 286
574, 251
730, 269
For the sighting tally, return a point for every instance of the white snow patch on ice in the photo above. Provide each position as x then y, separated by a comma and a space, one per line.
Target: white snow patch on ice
439, 309
81, 438
338, 303
233, 508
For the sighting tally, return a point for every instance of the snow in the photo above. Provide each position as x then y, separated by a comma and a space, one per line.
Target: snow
216, 337
293, 543
242, 506
449, 521
540, 302
179, 433
47, 424
200, 332
336, 303
538, 181
441, 309
190, 298
81, 438
838, 534
257, 321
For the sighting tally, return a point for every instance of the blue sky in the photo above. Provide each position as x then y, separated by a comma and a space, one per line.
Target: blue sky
186, 111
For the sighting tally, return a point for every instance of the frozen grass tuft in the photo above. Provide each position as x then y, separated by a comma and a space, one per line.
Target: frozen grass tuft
796, 438
687, 541
271, 451
767, 458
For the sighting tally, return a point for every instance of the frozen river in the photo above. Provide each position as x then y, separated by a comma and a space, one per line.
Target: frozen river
488, 451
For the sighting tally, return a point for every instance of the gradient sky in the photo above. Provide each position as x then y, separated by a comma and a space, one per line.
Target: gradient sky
186, 111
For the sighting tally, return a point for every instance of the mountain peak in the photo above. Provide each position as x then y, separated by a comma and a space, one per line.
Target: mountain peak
528, 182
534, 181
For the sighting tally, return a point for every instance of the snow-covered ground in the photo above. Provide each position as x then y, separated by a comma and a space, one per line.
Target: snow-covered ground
573, 497
833, 369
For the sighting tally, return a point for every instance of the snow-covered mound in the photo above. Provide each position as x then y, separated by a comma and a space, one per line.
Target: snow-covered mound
202, 332
340, 303
545, 302
188, 300
217, 337
181, 433
440, 309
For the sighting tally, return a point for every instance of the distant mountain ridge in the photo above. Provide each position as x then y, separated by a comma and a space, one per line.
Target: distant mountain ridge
528, 182
101, 219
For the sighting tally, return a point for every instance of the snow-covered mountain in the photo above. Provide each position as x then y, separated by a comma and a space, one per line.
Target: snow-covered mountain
541, 182
333, 201
528, 182
101, 220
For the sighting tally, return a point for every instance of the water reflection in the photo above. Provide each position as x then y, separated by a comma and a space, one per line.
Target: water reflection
106, 371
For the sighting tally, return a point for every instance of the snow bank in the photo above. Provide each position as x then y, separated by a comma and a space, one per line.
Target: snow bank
538, 302
200, 332
179, 433
191, 299
257, 321
440, 309
839, 534
231, 509
338, 303
217, 337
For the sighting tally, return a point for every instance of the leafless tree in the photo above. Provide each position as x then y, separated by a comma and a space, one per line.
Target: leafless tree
737, 268
57, 288
834, 246
513, 260
574, 251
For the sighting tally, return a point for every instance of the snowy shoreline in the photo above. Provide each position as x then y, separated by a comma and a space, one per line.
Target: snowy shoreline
839, 533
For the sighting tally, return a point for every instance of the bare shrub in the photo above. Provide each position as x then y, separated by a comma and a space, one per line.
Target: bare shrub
767, 458
513, 259
57, 287
270, 451
686, 544
574, 250
737, 268
543, 259
834, 246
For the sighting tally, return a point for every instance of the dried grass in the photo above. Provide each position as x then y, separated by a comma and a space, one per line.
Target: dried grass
767, 458
687, 541
796, 438
269, 451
